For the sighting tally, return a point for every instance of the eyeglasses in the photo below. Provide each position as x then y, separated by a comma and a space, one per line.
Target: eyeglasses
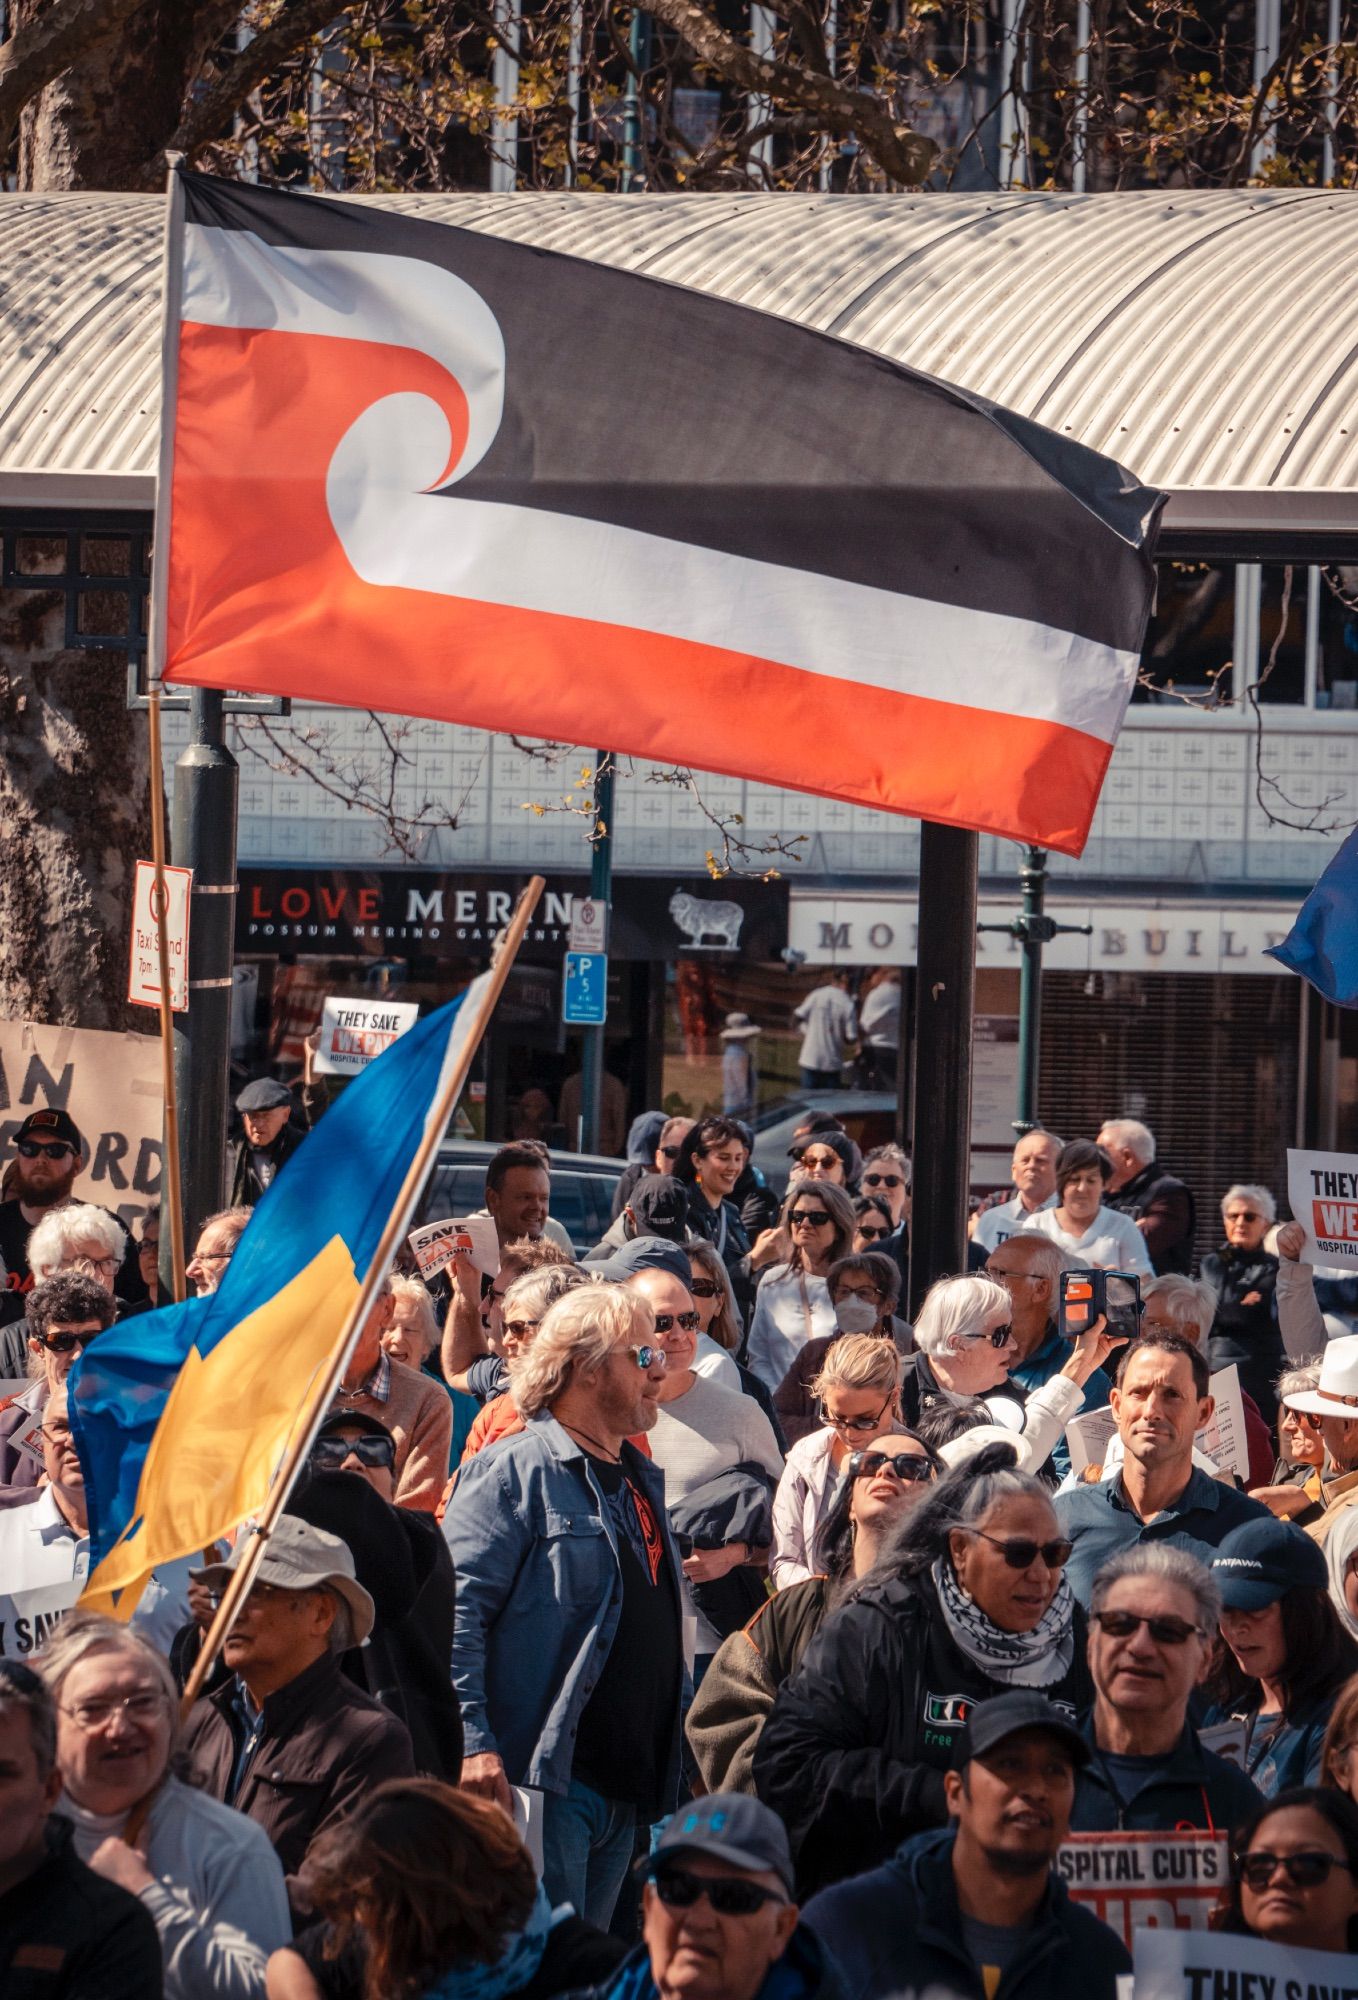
865, 1424
728, 1895
145, 1705
1165, 1631
999, 1336
67, 1343
1004, 1276
519, 1329
108, 1265
704, 1288
329, 1454
645, 1357
873, 1235
666, 1322
809, 1218
909, 1466
53, 1432
31, 1150
869, 1294
1306, 1870
1022, 1554
883, 1180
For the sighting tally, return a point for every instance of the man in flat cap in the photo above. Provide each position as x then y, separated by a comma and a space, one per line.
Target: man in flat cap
265, 1107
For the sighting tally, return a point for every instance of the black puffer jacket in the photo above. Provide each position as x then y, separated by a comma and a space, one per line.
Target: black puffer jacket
854, 1753
1245, 1330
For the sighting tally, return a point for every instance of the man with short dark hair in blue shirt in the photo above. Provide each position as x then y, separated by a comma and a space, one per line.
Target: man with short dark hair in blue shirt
1161, 1401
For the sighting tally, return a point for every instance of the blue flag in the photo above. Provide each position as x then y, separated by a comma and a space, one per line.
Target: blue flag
181, 1416
1322, 944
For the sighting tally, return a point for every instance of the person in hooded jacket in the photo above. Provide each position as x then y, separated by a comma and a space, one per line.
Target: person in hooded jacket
969, 1602
978, 1912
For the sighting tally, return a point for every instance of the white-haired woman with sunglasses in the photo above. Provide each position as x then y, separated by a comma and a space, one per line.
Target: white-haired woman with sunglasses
793, 1304
879, 1485
208, 1876
965, 1338
969, 1601
858, 1394
1244, 1277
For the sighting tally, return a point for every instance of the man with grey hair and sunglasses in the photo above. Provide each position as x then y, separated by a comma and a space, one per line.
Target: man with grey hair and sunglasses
1152, 1621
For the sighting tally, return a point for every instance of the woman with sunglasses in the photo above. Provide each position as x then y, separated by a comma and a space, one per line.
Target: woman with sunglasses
1286, 1655
427, 1891
65, 1314
879, 1486
1244, 1277
872, 1222
1294, 1873
970, 1600
857, 1392
792, 1304
966, 1344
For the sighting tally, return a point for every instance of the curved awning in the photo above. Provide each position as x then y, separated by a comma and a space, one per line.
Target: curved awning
1209, 341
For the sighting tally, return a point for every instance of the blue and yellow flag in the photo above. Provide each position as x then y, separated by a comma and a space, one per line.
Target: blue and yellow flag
181, 1416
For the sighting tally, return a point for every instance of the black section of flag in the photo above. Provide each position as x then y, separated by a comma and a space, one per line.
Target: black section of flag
657, 408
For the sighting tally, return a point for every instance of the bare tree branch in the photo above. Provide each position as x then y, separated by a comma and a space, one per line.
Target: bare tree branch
45, 46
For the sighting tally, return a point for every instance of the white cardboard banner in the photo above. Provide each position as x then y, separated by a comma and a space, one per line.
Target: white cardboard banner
438, 1243
353, 1032
110, 1084
1133, 1880
1322, 1189
1212, 1965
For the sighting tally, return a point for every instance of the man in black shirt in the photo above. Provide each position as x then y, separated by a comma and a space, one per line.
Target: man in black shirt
64, 1931
48, 1154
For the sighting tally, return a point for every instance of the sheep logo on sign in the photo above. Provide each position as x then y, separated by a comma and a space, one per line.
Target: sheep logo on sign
699, 920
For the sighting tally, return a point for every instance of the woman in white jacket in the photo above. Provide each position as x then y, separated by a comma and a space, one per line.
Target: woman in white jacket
859, 1392
792, 1304
208, 1876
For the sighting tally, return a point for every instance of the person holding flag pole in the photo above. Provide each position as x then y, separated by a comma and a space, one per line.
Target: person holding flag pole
203, 1416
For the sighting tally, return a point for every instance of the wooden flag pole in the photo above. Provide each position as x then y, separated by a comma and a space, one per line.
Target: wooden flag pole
169, 1181
398, 1222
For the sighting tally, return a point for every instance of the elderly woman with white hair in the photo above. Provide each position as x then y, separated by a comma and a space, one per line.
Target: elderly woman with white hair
1244, 1277
207, 1875
965, 1338
78, 1237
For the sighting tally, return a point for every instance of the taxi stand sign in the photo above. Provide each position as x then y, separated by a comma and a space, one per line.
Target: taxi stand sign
584, 989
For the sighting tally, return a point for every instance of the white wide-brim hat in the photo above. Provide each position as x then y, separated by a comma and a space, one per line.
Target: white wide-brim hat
1336, 1393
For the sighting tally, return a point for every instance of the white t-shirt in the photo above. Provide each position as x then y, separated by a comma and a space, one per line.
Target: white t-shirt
1112, 1241
1007, 1218
829, 1027
700, 1434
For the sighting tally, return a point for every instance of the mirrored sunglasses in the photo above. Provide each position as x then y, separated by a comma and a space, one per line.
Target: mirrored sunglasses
645, 1357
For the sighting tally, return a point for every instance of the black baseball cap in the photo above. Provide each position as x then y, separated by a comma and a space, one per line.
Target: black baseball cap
352, 1420
731, 1827
1260, 1561
1004, 1715
659, 1203
52, 1124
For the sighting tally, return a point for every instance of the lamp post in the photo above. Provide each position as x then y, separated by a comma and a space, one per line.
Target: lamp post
1033, 929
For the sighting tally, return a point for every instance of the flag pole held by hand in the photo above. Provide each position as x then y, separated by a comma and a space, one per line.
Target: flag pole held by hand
398, 1222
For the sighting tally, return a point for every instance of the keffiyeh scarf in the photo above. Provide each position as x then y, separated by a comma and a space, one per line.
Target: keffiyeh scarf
1015, 1659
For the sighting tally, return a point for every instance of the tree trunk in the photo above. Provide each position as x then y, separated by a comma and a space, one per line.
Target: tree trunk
74, 817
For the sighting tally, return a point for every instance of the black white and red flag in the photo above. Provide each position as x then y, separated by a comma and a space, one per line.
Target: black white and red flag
418, 468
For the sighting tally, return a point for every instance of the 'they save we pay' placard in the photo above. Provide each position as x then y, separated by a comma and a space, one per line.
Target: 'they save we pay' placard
1323, 1191
354, 1031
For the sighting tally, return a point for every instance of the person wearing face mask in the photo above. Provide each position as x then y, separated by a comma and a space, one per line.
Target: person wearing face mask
969, 1601
858, 1393
864, 1290
965, 1338
879, 1486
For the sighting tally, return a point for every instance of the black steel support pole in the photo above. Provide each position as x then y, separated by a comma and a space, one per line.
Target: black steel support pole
203, 838
601, 891
944, 1006
1033, 880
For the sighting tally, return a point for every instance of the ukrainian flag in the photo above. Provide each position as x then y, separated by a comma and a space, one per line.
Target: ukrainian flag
181, 1416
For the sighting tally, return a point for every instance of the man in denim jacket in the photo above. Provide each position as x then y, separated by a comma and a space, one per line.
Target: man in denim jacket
568, 1639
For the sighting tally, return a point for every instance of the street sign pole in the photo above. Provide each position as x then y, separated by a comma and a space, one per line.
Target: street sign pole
600, 891
945, 990
1033, 930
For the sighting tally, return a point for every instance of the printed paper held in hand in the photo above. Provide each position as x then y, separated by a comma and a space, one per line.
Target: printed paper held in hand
1087, 1438
1323, 1191
438, 1243
354, 1032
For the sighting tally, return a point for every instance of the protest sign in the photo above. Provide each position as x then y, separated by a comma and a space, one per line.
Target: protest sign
1087, 1438
354, 1031
1132, 1880
1323, 1191
1208, 1965
438, 1243
143, 973
31, 1612
110, 1084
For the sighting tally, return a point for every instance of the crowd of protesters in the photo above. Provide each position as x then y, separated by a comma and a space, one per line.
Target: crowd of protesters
678, 1619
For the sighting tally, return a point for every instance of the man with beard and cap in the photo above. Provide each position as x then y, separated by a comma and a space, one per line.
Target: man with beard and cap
48, 1154
979, 1908
265, 1108
657, 1206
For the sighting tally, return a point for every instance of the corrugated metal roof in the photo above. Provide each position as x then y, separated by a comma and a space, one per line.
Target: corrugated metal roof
1209, 341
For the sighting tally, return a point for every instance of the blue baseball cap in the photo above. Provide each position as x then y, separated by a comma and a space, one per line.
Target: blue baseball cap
1261, 1561
645, 1253
731, 1827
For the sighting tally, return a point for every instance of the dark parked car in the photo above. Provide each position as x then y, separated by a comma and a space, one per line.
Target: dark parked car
582, 1188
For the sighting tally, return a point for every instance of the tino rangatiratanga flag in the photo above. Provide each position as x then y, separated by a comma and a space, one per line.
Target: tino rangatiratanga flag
419, 468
